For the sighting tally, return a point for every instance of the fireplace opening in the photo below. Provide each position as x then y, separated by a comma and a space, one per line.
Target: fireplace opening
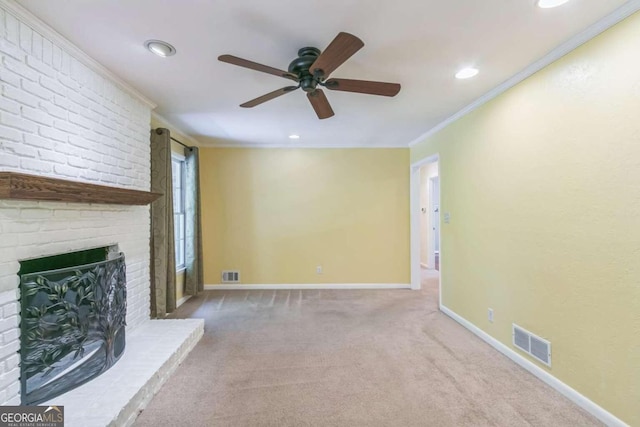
73, 311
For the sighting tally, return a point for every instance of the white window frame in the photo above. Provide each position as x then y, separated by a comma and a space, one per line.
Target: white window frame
179, 243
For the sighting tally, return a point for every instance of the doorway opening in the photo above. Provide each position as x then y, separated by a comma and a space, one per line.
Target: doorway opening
426, 257
430, 216
433, 218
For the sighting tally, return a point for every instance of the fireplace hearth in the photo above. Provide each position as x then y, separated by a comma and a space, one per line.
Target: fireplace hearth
72, 325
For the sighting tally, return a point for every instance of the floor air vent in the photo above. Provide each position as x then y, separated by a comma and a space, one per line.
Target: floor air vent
531, 344
230, 276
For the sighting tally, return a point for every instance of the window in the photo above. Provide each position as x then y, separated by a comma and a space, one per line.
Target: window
177, 169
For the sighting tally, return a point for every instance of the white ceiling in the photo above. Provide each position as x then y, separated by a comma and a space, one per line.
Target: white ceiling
418, 43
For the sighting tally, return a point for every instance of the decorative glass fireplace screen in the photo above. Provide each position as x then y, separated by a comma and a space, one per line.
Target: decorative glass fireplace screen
73, 326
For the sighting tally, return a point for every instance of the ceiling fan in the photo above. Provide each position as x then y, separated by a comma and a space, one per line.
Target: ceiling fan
311, 69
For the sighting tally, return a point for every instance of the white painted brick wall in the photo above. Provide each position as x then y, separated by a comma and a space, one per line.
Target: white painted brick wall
60, 119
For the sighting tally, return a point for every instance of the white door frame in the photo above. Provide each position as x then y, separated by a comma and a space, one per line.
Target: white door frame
431, 255
414, 206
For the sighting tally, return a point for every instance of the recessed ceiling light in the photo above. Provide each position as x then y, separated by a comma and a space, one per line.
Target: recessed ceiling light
294, 136
547, 4
160, 48
467, 73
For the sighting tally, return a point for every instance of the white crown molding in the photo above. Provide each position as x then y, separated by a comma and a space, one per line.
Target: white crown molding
234, 286
240, 144
175, 129
579, 399
39, 26
573, 43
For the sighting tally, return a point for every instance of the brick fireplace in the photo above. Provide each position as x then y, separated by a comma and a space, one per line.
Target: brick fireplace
63, 116
60, 119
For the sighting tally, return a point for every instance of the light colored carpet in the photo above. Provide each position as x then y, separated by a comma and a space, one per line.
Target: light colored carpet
347, 358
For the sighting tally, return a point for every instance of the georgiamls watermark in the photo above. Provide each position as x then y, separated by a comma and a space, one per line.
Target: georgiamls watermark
31, 416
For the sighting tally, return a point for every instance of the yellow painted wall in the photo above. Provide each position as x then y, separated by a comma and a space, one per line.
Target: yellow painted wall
543, 188
276, 214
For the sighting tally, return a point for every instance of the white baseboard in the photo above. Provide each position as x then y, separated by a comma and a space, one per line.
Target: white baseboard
573, 395
232, 286
182, 300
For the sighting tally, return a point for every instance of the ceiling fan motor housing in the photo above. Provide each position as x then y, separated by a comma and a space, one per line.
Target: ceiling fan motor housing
300, 67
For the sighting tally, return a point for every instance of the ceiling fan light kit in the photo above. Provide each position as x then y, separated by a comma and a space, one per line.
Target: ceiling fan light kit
311, 69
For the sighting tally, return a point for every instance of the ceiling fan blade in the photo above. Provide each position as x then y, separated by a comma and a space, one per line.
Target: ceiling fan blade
234, 60
363, 86
338, 51
268, 97
320, 104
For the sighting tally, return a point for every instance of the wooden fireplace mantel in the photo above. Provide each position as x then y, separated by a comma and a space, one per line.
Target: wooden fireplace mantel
20, 186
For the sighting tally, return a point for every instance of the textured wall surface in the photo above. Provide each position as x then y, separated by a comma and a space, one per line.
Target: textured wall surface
276, 214
543, 187
59, 119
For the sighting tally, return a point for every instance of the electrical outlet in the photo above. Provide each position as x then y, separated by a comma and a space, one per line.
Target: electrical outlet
447, 217
490, 315
319, 269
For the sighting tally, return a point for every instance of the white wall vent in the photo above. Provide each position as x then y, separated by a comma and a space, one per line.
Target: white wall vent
230, 276
533, 345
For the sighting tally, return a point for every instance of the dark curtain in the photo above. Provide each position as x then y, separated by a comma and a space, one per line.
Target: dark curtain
163, 261
193, 253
